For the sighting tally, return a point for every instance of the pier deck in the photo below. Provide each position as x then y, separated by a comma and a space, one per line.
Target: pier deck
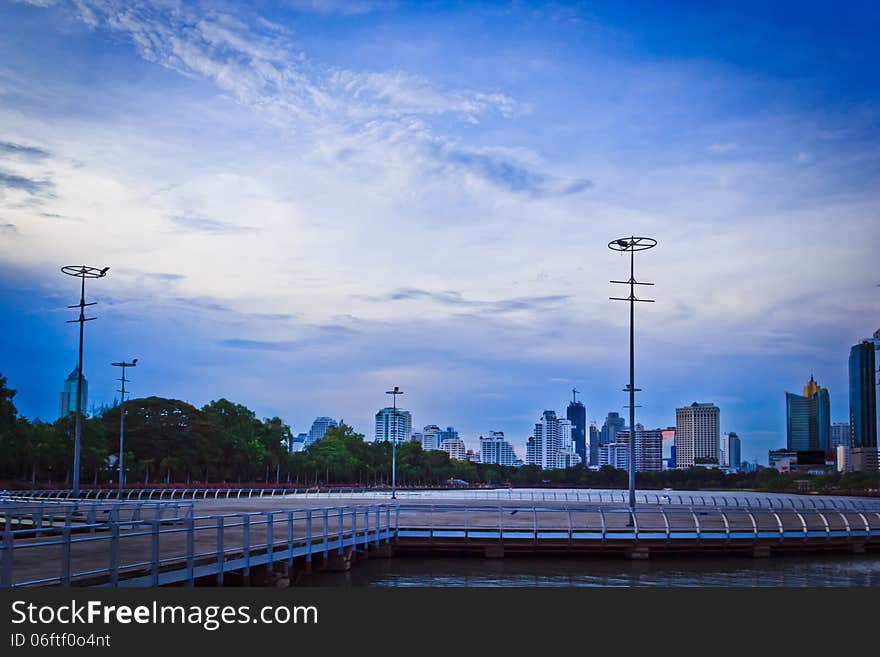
211, 538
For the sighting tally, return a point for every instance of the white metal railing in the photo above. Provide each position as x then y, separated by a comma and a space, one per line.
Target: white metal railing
735, 499
158, 551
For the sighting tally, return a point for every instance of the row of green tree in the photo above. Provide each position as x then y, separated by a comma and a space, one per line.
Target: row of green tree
170, 441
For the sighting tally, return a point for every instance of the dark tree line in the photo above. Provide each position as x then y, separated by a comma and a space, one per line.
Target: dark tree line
168, 441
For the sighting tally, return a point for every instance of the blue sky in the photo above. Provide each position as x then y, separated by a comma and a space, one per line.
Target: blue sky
305, 202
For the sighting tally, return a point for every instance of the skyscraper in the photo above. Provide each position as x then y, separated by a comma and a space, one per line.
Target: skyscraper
614, 454
577, 415
696, 435
731, 451
551, 445
808, 418
430, 437
455, 447
839, 435
318, 429
546, 441
67, 400
593, 444
613, 424
495, 449
863, 395
388, 427
649, 448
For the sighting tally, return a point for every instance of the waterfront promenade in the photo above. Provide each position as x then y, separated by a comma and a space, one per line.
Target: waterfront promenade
246, 539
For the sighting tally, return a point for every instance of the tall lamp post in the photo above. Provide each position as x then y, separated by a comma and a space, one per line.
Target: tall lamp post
394, 393
123, 365
631, 245
83, 272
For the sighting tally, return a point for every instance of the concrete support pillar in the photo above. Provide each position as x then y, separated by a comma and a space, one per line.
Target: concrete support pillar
639, 553
761, 551
495, 551
382, 551
336, 562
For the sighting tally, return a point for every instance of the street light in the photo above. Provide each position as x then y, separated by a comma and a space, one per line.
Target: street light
394, 393
631, 245
83, 272
123, 365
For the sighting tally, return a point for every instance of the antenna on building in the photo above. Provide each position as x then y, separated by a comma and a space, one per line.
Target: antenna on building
574, 394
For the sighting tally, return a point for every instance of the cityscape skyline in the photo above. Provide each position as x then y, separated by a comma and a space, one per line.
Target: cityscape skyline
243, 177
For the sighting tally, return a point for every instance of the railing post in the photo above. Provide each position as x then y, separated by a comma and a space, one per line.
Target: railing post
827, 526
378, 525
697, 527
290, 538
666, 524
190, 551
803, 524
341, 523
270, 537
309, 537
114, 551
65, 553
221, 552
354, 533
6, 569
387, 524
246, 543
325, 531
154, 552
754, 522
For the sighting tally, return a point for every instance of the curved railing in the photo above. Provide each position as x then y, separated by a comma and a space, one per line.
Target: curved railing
735, 499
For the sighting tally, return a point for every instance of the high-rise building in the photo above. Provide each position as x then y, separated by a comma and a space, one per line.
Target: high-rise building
297, 443
863, 396
455, 447
731, 451
808, 418
614, 454
495, 449
389, 427
613, 424
551, 445
669, 444
67, 401
649, 448
839, 435
319, 428
448, 434
577, 415
697, 435
864, 459
593, 444
843, 458
430, 437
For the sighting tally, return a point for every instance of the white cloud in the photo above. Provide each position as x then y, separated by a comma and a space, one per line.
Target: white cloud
300, 189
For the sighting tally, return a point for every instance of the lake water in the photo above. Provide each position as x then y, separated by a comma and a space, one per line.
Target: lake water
821, 571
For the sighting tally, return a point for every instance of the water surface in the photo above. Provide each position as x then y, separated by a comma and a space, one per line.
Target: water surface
822, 571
